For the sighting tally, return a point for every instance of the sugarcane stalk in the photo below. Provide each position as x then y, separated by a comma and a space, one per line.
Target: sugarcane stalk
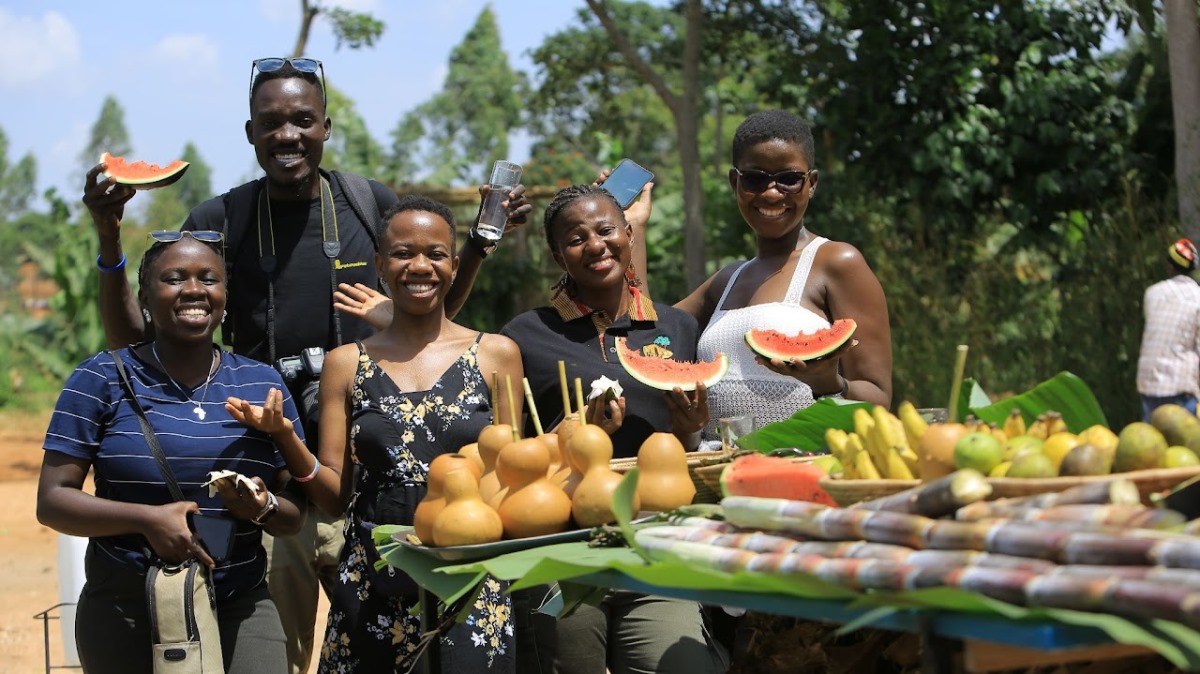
1128, 516
937, 498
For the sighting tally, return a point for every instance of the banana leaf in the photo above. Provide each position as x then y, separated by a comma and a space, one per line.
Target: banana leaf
1064, 393
806, 429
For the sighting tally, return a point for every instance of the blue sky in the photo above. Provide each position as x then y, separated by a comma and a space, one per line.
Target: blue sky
181, 70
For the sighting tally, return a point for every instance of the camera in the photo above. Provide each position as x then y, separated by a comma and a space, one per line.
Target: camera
306, 366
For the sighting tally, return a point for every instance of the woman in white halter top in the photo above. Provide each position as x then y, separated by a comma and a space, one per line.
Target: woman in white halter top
796, 282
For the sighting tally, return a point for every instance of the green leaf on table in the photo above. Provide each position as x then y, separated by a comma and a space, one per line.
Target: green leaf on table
1064, 393
806, 428
623, 509
422, 568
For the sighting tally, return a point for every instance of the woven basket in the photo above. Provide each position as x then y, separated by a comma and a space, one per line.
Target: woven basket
706, 492
849, 492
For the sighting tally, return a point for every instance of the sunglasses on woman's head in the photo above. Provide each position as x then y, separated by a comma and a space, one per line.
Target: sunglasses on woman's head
201, 235
273, 63
756, 182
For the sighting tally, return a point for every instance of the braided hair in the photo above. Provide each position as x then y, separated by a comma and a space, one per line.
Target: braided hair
563, 199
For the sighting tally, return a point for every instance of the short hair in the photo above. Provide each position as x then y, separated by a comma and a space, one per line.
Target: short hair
157, 249
285, 72
566, 197
767, 125
419, 202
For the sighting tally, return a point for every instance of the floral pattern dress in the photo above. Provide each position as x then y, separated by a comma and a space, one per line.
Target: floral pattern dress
374, 619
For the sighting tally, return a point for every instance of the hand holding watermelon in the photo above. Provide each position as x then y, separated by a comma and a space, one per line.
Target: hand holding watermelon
813, 358
689, 411
105, 200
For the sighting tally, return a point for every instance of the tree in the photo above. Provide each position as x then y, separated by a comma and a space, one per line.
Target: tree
468, 122
353, 29
684, 107
1183, 47
169, 207
17, 182
108, 134
351, 147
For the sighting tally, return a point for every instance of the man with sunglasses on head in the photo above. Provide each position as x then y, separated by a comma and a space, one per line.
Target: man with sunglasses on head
295, 242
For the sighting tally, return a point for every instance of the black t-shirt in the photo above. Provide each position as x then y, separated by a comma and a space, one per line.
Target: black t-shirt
546, 338
303, 296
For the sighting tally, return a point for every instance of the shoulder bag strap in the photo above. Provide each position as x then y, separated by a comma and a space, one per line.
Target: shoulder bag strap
156, 449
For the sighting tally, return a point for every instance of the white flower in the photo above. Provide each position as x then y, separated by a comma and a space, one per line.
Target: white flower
602, 385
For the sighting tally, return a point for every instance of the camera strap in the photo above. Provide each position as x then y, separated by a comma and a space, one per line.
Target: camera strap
330, 245
151, 439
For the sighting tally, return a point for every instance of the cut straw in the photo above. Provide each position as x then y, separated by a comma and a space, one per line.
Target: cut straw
512, 408
566, 390
579, 401
533, 413
960, 366
495, 398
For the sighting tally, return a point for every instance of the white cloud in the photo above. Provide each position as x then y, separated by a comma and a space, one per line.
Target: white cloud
34, 49
195, 54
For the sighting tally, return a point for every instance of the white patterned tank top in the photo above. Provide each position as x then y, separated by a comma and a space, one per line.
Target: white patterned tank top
749, 388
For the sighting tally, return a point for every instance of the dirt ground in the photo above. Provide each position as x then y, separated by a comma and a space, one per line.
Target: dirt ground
29, 551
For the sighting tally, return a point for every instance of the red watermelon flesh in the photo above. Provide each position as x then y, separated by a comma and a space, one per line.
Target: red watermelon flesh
142, 176
771, 344
666, 374
774, 477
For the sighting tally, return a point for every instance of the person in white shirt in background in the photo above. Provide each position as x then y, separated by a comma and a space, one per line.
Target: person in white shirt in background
1169, 361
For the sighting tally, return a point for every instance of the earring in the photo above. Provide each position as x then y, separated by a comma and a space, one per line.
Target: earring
811, 192
146, 314
631, 276
224, 315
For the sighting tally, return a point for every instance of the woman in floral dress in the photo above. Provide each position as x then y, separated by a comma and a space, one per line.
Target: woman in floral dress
389, 405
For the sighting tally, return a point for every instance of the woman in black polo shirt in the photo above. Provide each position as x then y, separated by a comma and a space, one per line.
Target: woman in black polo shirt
597, 301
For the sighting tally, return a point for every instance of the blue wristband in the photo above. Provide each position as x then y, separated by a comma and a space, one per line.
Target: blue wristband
113, 269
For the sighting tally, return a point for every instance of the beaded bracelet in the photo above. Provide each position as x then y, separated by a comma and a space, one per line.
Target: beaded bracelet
316, 469
113, 269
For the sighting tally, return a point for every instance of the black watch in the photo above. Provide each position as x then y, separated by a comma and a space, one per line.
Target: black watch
268, 510
481, 245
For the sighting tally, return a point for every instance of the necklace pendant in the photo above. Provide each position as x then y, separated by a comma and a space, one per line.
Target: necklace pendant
199, 412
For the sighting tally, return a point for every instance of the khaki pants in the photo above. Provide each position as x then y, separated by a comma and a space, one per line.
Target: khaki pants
295, 566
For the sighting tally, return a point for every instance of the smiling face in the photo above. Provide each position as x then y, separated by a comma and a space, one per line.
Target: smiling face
773, 214
417, 260
592, 244
183, 288
288, 129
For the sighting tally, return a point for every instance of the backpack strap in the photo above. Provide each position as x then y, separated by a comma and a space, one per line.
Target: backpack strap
362, 202
240, 206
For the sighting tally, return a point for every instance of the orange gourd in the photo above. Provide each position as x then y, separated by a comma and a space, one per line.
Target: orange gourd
554, 452
664, 482
471, 451
492, 439
466, 519
532, 506
434, 501
590, 449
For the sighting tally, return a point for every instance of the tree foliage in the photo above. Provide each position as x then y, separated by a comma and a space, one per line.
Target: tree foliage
108, 134
350, 147
169, 207
351, 29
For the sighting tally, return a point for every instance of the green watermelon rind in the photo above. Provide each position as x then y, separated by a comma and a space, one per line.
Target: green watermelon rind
629, 359
842, 325
165, 175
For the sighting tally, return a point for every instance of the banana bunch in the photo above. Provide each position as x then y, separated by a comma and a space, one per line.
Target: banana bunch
1046, 424
880, 446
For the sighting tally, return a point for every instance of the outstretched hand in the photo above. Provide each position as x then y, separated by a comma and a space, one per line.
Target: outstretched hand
365, 303
689, 411
516, 206
268, 417
105, 200
637, 214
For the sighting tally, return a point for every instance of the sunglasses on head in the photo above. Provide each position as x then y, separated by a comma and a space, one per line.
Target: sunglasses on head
756, 182
201, 235
273, 63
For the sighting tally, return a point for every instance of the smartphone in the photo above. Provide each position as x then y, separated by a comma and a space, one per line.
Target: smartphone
215, 534
626, 182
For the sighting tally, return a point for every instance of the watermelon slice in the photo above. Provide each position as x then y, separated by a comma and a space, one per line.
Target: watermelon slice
666, 374
771, 344
774, 477
142, 176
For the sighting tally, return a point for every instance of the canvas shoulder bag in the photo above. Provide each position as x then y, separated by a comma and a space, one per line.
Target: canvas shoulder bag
180, 599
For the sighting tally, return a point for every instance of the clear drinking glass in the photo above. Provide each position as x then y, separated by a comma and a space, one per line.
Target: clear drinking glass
734, 429
505, 176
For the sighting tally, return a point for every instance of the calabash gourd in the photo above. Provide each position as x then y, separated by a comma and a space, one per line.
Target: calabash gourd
664, 482
471, 451
433, 503
466, 519
568, 474
492, 439
532, 506
591, 504
554, 452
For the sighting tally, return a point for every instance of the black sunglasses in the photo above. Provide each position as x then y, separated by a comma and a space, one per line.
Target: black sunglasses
273, 63
756, 182
201, 235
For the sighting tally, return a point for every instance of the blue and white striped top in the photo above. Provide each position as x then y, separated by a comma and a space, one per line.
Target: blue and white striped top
94, 421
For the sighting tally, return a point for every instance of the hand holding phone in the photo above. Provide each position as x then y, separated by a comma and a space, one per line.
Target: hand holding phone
626, 182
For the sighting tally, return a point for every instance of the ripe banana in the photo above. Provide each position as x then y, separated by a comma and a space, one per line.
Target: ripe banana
1055, 423
914, 424
897, 469
1039, 428
836, 439
1014, 425
862, 422
863, 465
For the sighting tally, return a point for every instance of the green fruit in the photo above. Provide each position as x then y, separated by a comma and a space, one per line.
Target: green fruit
1032, 465
979, 450
1174, 422
1140, 446
1019, 444
1178, 457
829, 464
1084, 460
